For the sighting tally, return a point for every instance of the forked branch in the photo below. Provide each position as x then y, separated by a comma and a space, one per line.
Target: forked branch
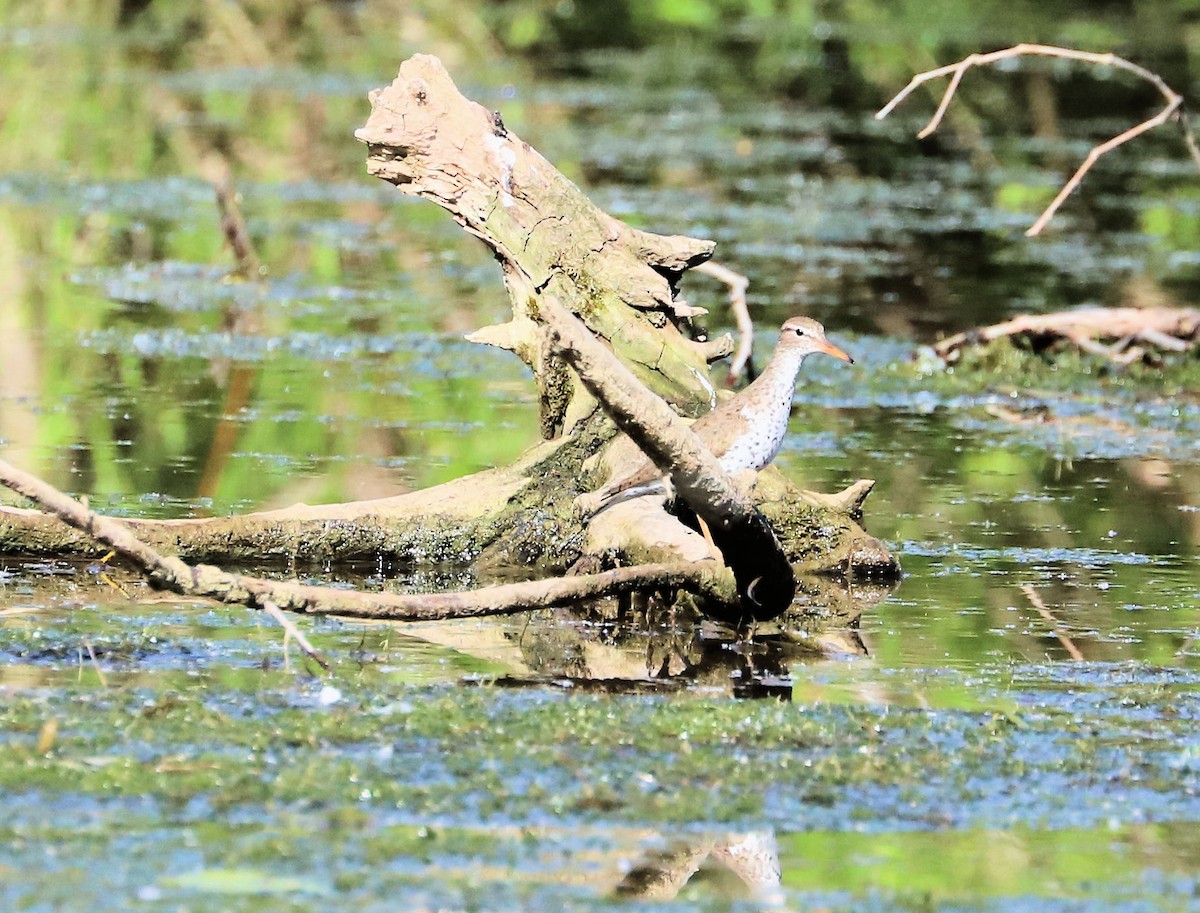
1172, 109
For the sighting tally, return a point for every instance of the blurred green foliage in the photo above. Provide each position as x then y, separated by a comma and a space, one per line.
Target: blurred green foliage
820, 49
144, 88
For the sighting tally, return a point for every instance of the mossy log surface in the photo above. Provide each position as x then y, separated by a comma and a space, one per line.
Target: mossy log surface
518, 516
430, 141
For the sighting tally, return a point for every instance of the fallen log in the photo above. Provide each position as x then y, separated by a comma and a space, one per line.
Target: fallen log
551, 243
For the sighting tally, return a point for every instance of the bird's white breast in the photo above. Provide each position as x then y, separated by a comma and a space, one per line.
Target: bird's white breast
766, 422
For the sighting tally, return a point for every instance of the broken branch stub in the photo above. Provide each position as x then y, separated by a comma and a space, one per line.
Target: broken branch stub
431, 142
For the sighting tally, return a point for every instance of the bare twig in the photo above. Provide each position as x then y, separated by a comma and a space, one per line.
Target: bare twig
1055, 628
96, 664
108, 580
702, 578
1172, 110
1115, 353
1165, 341
233, 223
290, 631
737, 304
1189, 137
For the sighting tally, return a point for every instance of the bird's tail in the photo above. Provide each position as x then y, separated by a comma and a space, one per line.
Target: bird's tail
592, 504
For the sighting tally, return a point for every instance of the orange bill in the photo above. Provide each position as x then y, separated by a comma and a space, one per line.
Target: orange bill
824, 345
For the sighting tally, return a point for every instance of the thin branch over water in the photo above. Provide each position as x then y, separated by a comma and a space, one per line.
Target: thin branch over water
1172, 110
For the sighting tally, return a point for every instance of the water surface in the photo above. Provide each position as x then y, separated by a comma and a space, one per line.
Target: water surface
948, 752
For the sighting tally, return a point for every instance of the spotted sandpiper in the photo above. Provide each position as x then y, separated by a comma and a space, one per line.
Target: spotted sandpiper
744, 432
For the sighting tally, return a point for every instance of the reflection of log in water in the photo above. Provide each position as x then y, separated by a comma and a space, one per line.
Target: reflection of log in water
752, 856
626, 645
660, 875
622, 646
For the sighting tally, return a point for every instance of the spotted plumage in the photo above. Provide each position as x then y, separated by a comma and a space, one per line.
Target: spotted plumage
744, 432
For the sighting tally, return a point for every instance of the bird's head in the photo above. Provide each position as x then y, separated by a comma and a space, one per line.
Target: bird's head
805, 336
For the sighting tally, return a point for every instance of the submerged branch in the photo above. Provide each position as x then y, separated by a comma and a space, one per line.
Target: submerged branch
291, 632
1056, 627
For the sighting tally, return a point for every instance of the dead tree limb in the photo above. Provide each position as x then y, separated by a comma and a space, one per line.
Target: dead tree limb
1167, 328
737, 284
1172, 110
249, 265
430, 141
705, 579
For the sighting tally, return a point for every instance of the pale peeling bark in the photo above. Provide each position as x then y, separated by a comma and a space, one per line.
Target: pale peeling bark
431, 142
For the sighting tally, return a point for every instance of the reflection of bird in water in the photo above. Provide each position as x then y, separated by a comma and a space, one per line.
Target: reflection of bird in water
604, 646
746, 431
754, 858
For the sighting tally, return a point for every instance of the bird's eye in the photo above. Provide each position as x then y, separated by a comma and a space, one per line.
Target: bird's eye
799, 332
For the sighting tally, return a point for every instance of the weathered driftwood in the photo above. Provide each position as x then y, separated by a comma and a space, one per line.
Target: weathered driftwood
706, 579
1164, 328
548, 239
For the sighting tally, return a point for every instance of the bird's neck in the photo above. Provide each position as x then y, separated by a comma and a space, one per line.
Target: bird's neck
764, 408
778, 378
